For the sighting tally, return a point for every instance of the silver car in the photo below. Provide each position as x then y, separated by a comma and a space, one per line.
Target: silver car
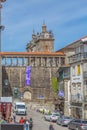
64, 120
47, 117
51, 117
78, 124
54, 117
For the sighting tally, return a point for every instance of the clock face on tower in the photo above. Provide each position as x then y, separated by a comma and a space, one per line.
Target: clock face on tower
46, 35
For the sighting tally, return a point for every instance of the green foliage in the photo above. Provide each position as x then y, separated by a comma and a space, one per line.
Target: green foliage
55, 85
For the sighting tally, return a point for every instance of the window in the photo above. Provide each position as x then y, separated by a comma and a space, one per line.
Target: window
78, 70
86, 85
73, 71
78, 121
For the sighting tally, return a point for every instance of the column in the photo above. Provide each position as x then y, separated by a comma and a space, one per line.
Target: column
17, 61
41, 61
11, 61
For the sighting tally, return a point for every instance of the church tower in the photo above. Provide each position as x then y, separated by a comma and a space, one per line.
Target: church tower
41, 42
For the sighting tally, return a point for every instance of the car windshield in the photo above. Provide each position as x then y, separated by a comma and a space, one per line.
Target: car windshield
21, 106
56, 114
67, 117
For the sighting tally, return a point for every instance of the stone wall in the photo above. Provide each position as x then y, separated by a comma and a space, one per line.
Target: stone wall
40, 86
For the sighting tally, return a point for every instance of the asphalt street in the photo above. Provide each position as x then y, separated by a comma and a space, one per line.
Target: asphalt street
38, 121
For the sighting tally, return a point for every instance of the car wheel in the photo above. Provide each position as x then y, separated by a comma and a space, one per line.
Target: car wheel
50, 120
69, 127
61, 124
44, 118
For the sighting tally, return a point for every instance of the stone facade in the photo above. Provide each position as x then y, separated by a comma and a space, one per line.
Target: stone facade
43, 68
40, 81
41, 42
44, 63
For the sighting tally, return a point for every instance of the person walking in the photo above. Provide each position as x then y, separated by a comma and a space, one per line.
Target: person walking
13, 115
26, 123
11, 120
21, 121
51, 127
30, 123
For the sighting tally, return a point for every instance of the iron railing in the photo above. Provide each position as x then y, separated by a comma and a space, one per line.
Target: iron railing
78, 98
78, 57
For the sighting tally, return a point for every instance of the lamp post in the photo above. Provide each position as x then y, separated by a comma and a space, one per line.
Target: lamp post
6, 82
15, 92
1, 27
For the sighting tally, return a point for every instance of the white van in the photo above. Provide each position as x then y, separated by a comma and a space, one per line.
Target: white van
20, 108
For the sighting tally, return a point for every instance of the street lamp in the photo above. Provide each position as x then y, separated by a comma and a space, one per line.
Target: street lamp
15, 92
6, 82
1, 27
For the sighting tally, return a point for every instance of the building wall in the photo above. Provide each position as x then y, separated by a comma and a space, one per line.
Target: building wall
45, 45
67, 110
68, 53
40, 83
41, 42
76, 79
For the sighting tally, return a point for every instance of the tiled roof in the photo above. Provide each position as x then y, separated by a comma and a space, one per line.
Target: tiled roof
71, 45
65, 65
32, 53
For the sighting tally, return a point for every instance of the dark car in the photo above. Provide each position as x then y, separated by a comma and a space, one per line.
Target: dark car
78, 124
64, 120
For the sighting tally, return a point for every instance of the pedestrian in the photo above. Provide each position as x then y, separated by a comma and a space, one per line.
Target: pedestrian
51, 127
11, 120
26, 123
21, 121
13, 115
30, 123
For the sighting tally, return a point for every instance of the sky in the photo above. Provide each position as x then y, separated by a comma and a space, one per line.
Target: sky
66, 18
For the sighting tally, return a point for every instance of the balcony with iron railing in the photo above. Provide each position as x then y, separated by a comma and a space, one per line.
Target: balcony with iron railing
85, 98
66, 75
78, 57
85, 74
78, 98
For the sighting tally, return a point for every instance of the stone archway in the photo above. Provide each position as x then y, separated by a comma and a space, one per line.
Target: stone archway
27, 95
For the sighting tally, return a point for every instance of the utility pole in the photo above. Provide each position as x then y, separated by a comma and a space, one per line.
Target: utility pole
1, 28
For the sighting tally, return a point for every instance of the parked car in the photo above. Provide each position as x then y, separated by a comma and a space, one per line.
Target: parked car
47, 117
42, 109
78, 124
51, 117
54, 117
58, 120
64, 120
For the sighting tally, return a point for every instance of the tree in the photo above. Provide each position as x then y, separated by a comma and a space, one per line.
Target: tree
54, 85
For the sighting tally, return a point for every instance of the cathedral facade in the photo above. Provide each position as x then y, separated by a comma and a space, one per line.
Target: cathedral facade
43, 63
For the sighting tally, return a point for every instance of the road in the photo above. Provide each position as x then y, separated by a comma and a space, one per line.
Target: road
39, 122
